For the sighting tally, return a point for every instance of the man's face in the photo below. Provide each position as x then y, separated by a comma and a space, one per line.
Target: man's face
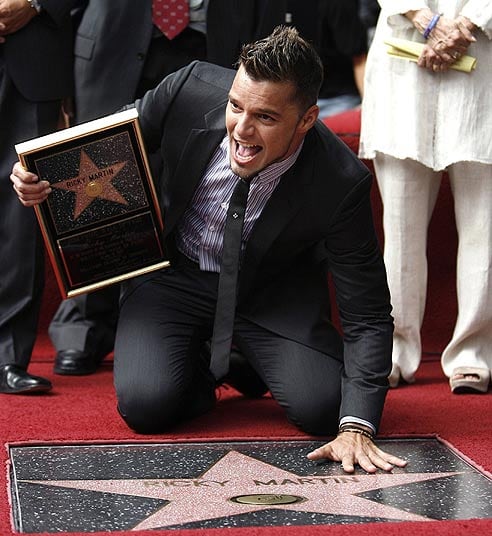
264, 123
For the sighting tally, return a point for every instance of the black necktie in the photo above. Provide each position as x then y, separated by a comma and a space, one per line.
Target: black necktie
229, 268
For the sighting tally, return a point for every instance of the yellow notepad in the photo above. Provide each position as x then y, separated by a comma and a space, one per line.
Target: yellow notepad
410, 50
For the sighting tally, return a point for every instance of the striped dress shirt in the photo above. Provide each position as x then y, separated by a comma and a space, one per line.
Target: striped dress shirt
201, 229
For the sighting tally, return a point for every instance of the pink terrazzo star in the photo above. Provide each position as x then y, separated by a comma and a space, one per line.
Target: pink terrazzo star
209, 495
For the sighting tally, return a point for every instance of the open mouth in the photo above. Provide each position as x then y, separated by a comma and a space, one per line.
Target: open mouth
246, 152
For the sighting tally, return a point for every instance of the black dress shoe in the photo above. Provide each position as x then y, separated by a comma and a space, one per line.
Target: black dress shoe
243, 377
75, 363
15, 380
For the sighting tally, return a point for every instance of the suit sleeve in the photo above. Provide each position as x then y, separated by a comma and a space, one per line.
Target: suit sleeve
356, 264
154, 105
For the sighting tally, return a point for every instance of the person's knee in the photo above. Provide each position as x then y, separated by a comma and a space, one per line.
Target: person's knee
149, 410
146, 411
314, 415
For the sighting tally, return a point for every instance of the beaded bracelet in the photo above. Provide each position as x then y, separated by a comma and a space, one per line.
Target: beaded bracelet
431, 25
365, 433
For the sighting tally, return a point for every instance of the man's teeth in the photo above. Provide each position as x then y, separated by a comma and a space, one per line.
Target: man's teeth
247, 150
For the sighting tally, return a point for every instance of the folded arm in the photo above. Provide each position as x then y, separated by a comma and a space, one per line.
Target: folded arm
14, 15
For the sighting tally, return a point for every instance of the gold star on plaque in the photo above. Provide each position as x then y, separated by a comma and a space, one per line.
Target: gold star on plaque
92, 183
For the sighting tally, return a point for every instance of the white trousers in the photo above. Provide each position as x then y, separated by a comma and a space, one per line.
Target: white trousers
409, 192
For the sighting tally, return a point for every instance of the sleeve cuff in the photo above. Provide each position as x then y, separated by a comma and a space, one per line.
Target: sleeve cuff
357, 420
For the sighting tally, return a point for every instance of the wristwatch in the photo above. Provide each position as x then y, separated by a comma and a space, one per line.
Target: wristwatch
35, 5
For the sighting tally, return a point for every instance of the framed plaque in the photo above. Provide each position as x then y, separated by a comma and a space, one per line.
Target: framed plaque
101, 223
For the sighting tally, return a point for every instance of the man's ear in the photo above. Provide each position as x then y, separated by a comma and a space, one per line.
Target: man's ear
309, 118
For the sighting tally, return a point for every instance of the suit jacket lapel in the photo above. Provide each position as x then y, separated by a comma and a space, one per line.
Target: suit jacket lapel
284, 204
197, 151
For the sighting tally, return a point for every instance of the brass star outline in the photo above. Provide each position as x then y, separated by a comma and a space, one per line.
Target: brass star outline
92, 183
209, 495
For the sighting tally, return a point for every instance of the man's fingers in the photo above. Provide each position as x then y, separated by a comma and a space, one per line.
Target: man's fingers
22, 174
322, 453
348, 463
394, 460
29, 190
365, 461
379, 462
31, 199
387, 461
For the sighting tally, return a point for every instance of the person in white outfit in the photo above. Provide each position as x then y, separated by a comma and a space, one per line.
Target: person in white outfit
420, 120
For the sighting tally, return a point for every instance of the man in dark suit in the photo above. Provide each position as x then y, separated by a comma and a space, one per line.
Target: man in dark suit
120, 54
35, 75
308, 212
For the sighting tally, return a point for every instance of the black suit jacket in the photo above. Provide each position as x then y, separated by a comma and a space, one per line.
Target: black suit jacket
113, 38
39, 55
318, 220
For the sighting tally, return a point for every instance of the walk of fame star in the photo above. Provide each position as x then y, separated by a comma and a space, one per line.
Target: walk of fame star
213, 494
92, 183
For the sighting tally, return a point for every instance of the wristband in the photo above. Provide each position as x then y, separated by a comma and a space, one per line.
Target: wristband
431, 25
348, 428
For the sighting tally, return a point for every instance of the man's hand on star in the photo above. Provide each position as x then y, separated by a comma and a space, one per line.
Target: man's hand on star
353, 449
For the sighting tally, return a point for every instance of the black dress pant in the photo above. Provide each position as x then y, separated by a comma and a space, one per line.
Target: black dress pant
21, 243
161, 370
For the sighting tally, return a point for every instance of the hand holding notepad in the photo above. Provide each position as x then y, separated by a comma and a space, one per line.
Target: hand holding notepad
410, 50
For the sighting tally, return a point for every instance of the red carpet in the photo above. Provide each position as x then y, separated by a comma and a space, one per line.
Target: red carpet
82, 409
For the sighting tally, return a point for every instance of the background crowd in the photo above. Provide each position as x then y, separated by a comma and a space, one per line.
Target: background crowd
65, 63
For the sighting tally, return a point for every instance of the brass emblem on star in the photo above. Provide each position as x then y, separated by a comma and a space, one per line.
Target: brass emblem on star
267, 499
92, 183
93, 189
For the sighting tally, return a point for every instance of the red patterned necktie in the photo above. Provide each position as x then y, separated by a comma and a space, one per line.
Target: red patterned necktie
170, 16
